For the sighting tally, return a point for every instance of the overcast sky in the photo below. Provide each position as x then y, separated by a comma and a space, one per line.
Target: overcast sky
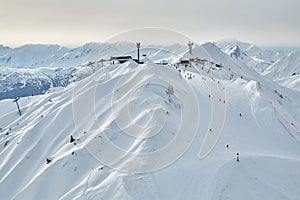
74, 22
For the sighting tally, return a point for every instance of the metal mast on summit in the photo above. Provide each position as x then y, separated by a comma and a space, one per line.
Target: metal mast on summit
190, 44
138, 45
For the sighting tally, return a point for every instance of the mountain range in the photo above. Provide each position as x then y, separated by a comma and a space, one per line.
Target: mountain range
152, 131
58, 66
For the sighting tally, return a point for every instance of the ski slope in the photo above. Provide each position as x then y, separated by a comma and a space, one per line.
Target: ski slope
139, 131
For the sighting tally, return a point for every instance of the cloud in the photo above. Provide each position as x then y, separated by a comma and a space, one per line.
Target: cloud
75, 22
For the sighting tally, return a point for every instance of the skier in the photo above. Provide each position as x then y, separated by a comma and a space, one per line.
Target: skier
237, 157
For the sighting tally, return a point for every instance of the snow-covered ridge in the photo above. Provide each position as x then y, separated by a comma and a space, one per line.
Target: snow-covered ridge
252, 55
37, 56
287, 66
292, 82
286, 71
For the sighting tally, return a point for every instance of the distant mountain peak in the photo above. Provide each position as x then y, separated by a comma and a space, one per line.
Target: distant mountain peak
235, 52
250, 54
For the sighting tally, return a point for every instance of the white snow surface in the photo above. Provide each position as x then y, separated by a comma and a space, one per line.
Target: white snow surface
262, 124
292, 82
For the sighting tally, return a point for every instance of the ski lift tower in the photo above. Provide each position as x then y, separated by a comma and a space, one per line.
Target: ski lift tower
16, 101
190, 44
138, 45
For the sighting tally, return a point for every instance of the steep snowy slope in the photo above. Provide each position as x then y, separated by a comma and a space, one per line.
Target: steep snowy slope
285, 67
292, 82
286, 71
153, 119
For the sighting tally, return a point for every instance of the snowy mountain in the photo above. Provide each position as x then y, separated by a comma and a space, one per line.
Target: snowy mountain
285, 67
31, 55
40, 67
58, 64
253, 56
292, 82
133, 131
286, 71
236, 52
15, 82
276, 65
38, 56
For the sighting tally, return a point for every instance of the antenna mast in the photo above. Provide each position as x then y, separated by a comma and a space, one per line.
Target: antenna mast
190, 44
138, 45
